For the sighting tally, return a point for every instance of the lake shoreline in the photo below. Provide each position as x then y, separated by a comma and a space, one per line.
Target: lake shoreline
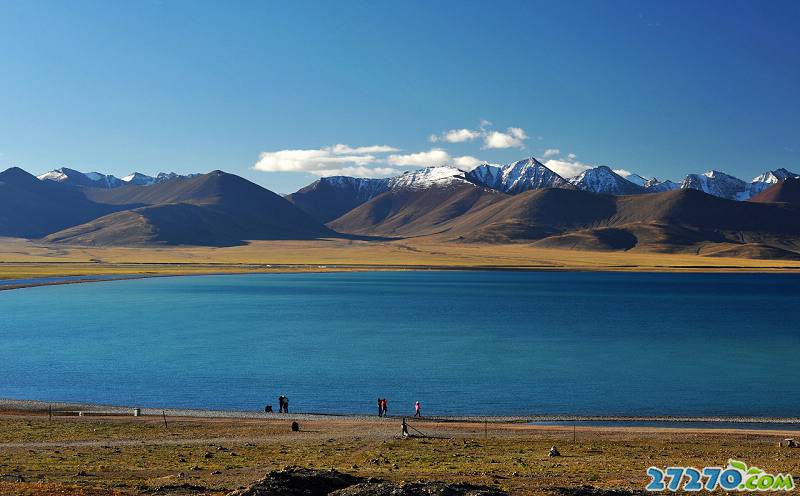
8, 405
60, 280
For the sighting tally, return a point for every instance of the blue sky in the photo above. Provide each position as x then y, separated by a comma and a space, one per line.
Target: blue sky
658, 88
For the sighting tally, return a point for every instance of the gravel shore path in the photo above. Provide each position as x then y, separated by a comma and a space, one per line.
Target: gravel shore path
96, 409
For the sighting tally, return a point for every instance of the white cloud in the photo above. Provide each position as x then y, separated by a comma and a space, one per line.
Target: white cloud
344, 149
358, 172
566, 169
456, 136
320, 159
571, 156
512, 138
551, 152
466, 162
622, 172
518, 133
360, 161
435, 156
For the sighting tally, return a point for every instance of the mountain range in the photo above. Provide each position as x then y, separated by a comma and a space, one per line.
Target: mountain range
329, 198
72, 177
522, 202
216, 209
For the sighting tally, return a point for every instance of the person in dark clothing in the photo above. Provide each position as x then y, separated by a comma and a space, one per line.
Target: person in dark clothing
285, 404
404, 428
380, 407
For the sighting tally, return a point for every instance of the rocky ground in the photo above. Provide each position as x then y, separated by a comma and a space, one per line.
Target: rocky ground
104, 454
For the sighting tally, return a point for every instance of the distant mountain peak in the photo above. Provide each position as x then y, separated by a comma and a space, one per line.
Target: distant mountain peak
429, 177
65, 175
602, 179
58, 175
769, 178
653, 185
139, 179
785, 191
718, 184
517, 177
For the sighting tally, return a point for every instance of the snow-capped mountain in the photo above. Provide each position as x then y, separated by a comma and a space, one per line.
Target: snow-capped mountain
652, 185
140, 179
655, 186
718, 184
767, 179
66, 175
361, 188
604, 180
106, 180
429, 177
163, 177
517, 177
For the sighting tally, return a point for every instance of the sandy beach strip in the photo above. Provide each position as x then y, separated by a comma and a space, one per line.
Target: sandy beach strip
62, 408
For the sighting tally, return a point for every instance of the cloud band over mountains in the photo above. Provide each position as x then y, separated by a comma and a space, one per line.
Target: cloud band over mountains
386, 160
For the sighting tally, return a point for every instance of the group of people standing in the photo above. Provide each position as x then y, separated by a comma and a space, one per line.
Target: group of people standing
382, 407
383, 410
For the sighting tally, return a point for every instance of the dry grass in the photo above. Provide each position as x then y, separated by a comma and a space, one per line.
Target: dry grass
22, 258
130, 456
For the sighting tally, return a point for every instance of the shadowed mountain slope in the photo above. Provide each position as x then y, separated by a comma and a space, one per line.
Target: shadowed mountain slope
787, 191
331, 197
31, 208
212, 209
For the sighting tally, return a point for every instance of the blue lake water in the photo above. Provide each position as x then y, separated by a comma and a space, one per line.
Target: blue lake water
459, 342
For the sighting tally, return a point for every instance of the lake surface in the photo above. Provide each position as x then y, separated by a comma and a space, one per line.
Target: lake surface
459, 342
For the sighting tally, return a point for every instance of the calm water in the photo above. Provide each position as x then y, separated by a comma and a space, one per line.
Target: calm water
460, 342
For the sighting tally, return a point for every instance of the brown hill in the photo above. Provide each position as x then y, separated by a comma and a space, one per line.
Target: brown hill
214, 209
787, 191
31, 208
415, 212
679, 220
